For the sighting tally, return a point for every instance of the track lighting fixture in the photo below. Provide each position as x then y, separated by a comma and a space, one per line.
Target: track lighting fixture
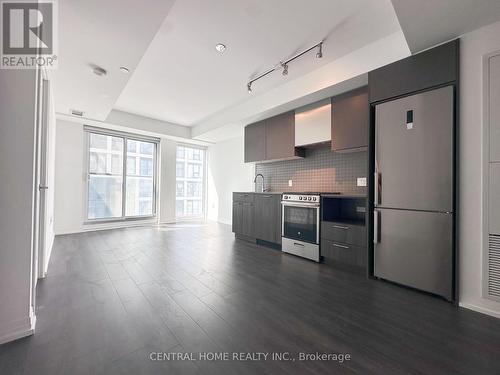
319, 55
284, 64
285, 69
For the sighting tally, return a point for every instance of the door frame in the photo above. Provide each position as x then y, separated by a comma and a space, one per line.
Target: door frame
43, 146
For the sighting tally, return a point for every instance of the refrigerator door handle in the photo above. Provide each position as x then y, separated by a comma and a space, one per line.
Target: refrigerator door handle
376, 226
377, 187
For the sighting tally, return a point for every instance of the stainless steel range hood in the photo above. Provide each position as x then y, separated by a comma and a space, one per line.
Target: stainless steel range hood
313, 124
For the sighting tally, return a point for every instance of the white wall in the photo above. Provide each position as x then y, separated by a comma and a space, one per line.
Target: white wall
472, 49
70, 179
17, 144
227, 172
167, 180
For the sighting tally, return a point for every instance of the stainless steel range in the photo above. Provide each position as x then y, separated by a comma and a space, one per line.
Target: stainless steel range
300, 224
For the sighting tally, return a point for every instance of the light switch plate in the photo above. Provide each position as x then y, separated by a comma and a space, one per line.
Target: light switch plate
290, 183
361, 181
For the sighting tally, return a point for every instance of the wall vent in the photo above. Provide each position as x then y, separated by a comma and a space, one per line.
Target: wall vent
494, 267
76, 112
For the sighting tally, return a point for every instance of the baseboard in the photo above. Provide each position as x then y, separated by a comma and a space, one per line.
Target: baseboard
19, 329
105, 226
479, 309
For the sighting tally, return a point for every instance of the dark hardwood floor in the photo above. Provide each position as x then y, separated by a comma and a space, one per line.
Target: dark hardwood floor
113, 297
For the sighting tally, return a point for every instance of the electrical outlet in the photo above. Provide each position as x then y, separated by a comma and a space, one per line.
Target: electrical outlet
361, 181
290, 183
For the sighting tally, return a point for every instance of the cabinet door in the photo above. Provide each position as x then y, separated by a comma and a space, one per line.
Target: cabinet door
268, 218
350, 120
343, 253
238, 217
248, 219
280, 136
255, 142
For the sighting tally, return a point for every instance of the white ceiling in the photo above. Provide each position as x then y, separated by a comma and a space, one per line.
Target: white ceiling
177, 78
426, 23
108, 33
182, 79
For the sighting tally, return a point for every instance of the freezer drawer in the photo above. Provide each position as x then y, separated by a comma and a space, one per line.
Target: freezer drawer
414, 248
414, 152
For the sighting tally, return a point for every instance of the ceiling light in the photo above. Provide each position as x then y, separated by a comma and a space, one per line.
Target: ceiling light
124, 69
319, 55
285, 69
97, 70
249, 87
220, 47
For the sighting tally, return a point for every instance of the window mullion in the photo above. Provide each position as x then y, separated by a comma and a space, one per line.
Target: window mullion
124, 177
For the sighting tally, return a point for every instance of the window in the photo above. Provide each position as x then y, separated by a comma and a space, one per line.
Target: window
190, 182
121, 176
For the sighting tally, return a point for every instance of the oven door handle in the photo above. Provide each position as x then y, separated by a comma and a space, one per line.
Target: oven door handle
305, 204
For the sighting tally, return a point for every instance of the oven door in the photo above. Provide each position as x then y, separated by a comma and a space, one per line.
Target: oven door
300, 221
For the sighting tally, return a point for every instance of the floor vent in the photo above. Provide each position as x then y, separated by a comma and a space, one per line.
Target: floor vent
494, 266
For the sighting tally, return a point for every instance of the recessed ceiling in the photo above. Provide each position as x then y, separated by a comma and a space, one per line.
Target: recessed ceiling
104, 33
184, 80
426, 23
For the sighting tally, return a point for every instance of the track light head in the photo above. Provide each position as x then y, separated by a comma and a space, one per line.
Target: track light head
319, 55
285, 69
249, 87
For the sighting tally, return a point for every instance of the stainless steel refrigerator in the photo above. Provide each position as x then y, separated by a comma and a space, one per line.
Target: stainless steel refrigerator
413, 217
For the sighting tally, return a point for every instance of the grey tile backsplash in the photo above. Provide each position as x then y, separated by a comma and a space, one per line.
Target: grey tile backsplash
320, 171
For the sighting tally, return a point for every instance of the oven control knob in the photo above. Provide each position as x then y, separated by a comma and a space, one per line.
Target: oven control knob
309, 198
314, 198
300, 198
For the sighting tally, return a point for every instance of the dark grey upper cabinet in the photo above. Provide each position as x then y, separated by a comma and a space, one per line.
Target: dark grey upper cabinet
350, 117
255, 142
268, 217
280, 136
272, 139
424, 70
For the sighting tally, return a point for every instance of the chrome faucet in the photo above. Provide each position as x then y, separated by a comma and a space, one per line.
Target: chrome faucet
255, 181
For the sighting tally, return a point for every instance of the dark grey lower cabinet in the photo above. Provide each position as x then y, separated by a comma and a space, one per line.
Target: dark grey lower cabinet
344, 243
342, 253
268, 217
248, 222
243, 218
238, 217
257, 216
243, 214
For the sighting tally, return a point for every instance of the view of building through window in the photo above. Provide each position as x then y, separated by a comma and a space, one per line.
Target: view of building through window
107, 191
190, 182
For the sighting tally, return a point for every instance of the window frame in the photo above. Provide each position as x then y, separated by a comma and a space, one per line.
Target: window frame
204, 180
125, 136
